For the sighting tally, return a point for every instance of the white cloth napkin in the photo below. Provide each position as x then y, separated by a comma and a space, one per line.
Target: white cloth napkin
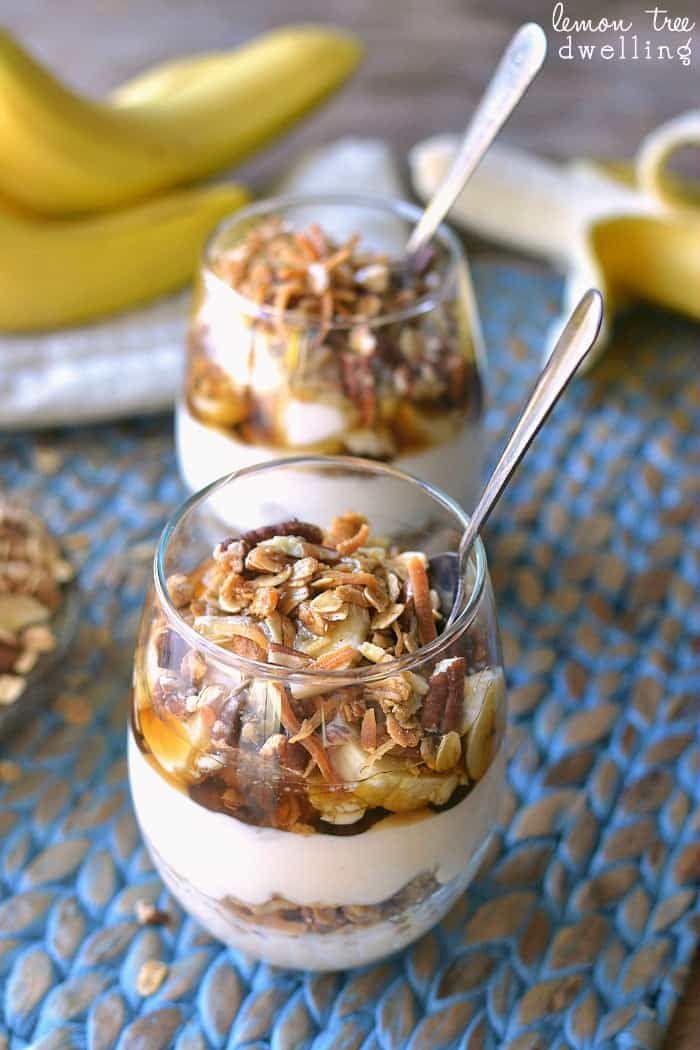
132, 363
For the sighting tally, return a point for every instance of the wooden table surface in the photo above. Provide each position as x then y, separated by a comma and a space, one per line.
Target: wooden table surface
426, 63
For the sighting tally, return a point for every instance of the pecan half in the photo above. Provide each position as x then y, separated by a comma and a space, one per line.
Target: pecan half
309, 532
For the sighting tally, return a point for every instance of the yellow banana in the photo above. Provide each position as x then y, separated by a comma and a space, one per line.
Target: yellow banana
64, 154
55, 272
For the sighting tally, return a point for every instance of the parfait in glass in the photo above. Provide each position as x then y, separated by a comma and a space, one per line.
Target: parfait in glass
311, 334
316, 760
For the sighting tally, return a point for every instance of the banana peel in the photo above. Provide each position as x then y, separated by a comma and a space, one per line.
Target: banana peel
64, 154
56, 272
633, 232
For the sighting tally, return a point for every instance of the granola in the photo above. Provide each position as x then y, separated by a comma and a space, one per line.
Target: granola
32, 574
341, 350
335, 750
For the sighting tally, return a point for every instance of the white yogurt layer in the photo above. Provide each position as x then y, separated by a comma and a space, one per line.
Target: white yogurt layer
206, 453
222, 856
205, 857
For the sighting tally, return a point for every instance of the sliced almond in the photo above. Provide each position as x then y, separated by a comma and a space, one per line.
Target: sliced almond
387, 617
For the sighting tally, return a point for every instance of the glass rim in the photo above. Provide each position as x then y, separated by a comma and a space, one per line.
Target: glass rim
398, 206
368, 673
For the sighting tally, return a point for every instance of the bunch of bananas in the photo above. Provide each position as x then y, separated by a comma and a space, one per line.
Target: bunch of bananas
97, 208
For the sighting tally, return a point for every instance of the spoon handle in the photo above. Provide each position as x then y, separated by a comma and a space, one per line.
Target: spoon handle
521, 61
572, 346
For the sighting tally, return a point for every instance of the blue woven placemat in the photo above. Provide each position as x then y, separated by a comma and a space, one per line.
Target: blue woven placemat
579, 929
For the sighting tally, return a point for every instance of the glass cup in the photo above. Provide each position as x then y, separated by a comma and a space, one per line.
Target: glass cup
267, 812
403, 387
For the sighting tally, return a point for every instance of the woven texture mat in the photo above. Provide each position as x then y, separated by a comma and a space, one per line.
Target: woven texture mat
580, 926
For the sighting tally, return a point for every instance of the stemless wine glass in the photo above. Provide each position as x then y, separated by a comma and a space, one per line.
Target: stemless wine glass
267, 813
399, 383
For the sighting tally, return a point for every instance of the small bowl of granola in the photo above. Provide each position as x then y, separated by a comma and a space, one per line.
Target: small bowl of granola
316, 766
38, 613
309, 334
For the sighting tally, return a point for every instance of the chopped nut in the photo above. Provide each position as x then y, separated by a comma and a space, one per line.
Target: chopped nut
405, 736
193, 667
285, 528
26, 661
231, 554
9, 653
180, 589
11, 688
264, 603
39, 638
151, 976
147, 914
75, 710
9, 771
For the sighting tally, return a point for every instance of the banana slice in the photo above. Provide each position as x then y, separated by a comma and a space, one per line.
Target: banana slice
352, 631
387, 782
483, 735
336, 807
400, 791
476, 688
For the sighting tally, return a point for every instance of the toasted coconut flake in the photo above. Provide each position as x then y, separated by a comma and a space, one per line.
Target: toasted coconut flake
286, 656
338, 660
420, 592
292, 724
368, 731
344, 526
349, 546
307, 727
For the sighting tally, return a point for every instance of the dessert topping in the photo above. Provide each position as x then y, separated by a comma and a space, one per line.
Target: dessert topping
296, 598
32, 572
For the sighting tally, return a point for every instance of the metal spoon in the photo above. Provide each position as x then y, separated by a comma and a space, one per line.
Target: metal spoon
572, 346
515, 72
